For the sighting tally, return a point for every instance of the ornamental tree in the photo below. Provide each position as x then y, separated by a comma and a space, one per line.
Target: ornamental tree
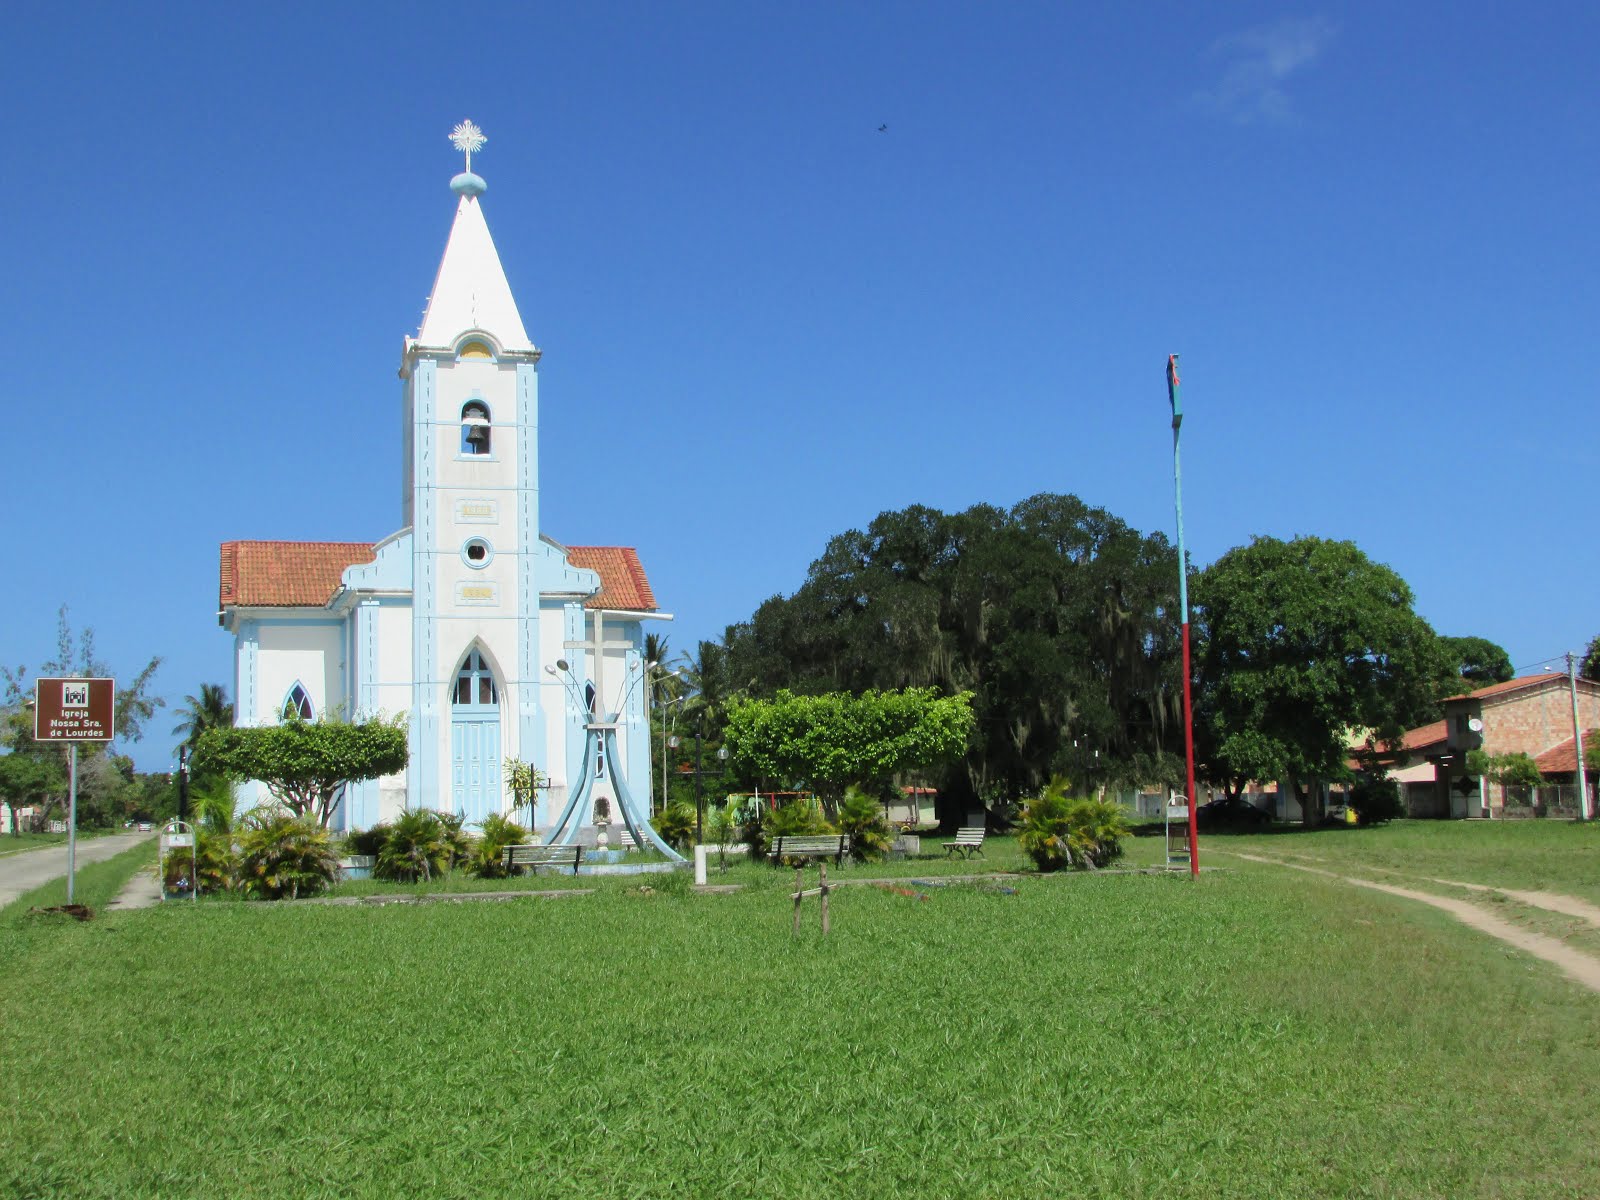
837, 739
1475, 662
305, 764
1300, 643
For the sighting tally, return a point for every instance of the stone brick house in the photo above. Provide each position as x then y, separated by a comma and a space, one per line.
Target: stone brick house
1531, 715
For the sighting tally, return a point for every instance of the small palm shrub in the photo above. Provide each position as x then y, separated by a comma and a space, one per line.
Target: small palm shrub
214, 806
1099, 826
281, 855
1057, 831
488, 856
675, 824
217, 865
861, 817
418, 847
723, 826
794, 819
1044, 833
456, 840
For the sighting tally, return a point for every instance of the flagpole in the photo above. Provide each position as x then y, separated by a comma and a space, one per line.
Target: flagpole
1183, 604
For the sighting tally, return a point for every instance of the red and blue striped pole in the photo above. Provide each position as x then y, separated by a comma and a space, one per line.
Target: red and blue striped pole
1183, 604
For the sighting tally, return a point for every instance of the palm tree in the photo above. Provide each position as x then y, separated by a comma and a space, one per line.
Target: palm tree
665, 683
210, 710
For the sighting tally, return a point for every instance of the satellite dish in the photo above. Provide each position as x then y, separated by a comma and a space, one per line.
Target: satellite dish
1476, 725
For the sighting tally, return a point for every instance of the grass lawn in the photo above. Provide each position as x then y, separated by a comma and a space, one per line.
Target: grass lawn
96, 884
1557, 856
1259, 1032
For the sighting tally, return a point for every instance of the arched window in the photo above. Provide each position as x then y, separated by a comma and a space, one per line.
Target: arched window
475, 429
296, 705
475, 683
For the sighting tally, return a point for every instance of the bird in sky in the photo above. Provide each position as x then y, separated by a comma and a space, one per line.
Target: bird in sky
883, 129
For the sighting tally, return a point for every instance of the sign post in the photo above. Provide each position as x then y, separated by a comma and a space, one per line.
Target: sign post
71, 711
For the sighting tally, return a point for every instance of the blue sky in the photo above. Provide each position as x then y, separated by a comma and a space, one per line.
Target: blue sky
1369, 230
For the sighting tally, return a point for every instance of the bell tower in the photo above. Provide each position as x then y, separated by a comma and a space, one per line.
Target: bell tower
470, 494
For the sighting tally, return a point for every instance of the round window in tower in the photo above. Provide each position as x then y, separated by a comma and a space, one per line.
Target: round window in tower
477, 553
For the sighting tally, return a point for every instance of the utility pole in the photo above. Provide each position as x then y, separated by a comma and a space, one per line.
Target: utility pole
1183, 603
1577, 738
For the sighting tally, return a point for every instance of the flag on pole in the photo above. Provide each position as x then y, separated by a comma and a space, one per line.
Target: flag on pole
1172, 390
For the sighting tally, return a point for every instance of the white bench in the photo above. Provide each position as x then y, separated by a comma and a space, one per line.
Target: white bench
531, 858
833, 845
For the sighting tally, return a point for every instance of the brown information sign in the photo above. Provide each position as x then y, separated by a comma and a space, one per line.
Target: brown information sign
74, 710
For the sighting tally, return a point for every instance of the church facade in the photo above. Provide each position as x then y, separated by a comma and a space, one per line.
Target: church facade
495, 641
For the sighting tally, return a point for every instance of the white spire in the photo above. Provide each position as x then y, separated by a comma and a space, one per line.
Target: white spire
471, 291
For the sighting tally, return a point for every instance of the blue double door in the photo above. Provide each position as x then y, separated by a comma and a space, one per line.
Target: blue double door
475, 740
475, 765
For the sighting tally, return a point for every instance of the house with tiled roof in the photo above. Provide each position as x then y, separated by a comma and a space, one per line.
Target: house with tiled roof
1532, 715
495, 641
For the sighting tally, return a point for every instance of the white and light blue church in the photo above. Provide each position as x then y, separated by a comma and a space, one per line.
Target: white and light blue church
496, 641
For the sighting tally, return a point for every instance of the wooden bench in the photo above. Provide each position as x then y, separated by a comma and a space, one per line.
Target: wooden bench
625, 840
530, 858
969, 841
831, 845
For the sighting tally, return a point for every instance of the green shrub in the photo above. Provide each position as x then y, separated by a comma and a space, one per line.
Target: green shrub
213, 806
418, 847
1100, 825
178, 870
284, 856
675, 824
218, 865
1376, 800
1044, 833
861, 816
458, 846
724, 829
367, 841
488, 856
1057, 831
212, 864
794, 819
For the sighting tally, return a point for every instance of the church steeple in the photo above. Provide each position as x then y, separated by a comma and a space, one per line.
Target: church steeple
471, 291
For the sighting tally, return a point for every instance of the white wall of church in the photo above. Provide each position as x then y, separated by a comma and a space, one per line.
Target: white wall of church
306, 652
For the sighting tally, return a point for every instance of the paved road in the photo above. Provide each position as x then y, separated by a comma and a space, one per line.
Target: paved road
23, 872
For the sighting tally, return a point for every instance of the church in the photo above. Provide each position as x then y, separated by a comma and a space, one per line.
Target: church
496, 641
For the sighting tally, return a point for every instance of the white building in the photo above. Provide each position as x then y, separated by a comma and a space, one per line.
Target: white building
495, 640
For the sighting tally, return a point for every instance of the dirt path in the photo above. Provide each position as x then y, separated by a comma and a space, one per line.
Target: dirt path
1555, 902
1578, 966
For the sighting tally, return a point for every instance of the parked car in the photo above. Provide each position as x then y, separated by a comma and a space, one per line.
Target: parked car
1230, 812
145, 826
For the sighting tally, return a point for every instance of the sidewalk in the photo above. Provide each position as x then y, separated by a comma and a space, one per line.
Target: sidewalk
20, 873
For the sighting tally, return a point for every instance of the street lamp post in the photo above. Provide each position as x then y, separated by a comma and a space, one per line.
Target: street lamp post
1183, 604
669, 741
699, 788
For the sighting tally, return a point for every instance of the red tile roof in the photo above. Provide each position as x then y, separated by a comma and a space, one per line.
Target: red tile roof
1425, 735
285, 574
1563, 759
1510, 685
306, 574
622, 580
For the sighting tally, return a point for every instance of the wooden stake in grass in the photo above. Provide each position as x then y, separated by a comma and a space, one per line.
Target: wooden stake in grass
801, 892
